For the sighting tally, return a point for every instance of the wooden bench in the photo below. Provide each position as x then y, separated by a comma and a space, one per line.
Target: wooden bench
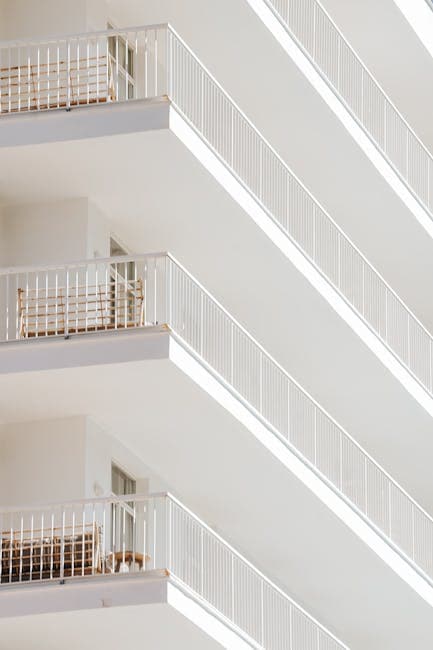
56, 555
40, 86
51, 311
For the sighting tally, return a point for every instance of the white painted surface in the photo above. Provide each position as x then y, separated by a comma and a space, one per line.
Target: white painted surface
111, 612
419, 15
50, 233
42, 461
308, 135
394, 40
186, 436
63, 459
27, 19
279, 307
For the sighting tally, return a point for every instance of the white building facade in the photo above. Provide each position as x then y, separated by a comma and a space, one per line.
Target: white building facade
216, 359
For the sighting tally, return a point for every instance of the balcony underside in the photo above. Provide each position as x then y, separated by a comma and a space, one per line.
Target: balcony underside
147, 390
158, 196
111, 613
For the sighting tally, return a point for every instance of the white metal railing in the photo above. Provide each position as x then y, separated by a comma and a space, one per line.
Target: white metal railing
170, 295
319, 37
161, 64
84, 69
115, 535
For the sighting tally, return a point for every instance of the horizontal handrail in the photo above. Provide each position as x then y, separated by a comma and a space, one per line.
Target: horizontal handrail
71, 36
114, 535
172, 296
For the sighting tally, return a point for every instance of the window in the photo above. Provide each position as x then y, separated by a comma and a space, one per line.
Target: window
122, 514
121, 483
122, 60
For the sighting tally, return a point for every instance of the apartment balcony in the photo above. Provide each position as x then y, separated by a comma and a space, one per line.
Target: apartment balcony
155, 565
338, 173
207, 181
364, 156
147, 351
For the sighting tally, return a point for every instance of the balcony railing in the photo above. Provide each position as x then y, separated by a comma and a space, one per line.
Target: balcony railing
101, 295
313, 29
119, 535
153, 62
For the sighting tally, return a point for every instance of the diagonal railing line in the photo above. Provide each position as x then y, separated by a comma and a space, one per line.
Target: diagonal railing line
284, 10
318, 245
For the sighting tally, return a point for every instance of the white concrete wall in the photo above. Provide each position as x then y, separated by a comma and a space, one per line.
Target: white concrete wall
101, 450
26, 18
52, 233
48, 461
42, 461
2, 235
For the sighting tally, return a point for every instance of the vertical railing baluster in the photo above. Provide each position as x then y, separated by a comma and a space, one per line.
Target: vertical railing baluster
93, 559
83, 539
117, 66
20, 574
88, 67
126, 68
11, 548
62, 545
155, 63
72, 559
68, 74
41, 553
31, 547
52, 545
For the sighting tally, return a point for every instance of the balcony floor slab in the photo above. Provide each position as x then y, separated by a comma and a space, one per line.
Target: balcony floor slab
114, 612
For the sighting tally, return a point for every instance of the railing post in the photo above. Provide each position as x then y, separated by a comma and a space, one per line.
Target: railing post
201, 562
169, 533
262, 614
62, 547
66, 315
430, 365
232, 354
68, 74
233, 588
261, 383
169, 61
201, 323
389, 510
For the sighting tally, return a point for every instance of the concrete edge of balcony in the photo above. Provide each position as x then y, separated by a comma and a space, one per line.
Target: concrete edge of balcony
49, 353
78, 122
156, 587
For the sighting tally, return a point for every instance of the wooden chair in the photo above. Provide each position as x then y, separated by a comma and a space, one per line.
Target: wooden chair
61, 554
55, 311
40, 86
